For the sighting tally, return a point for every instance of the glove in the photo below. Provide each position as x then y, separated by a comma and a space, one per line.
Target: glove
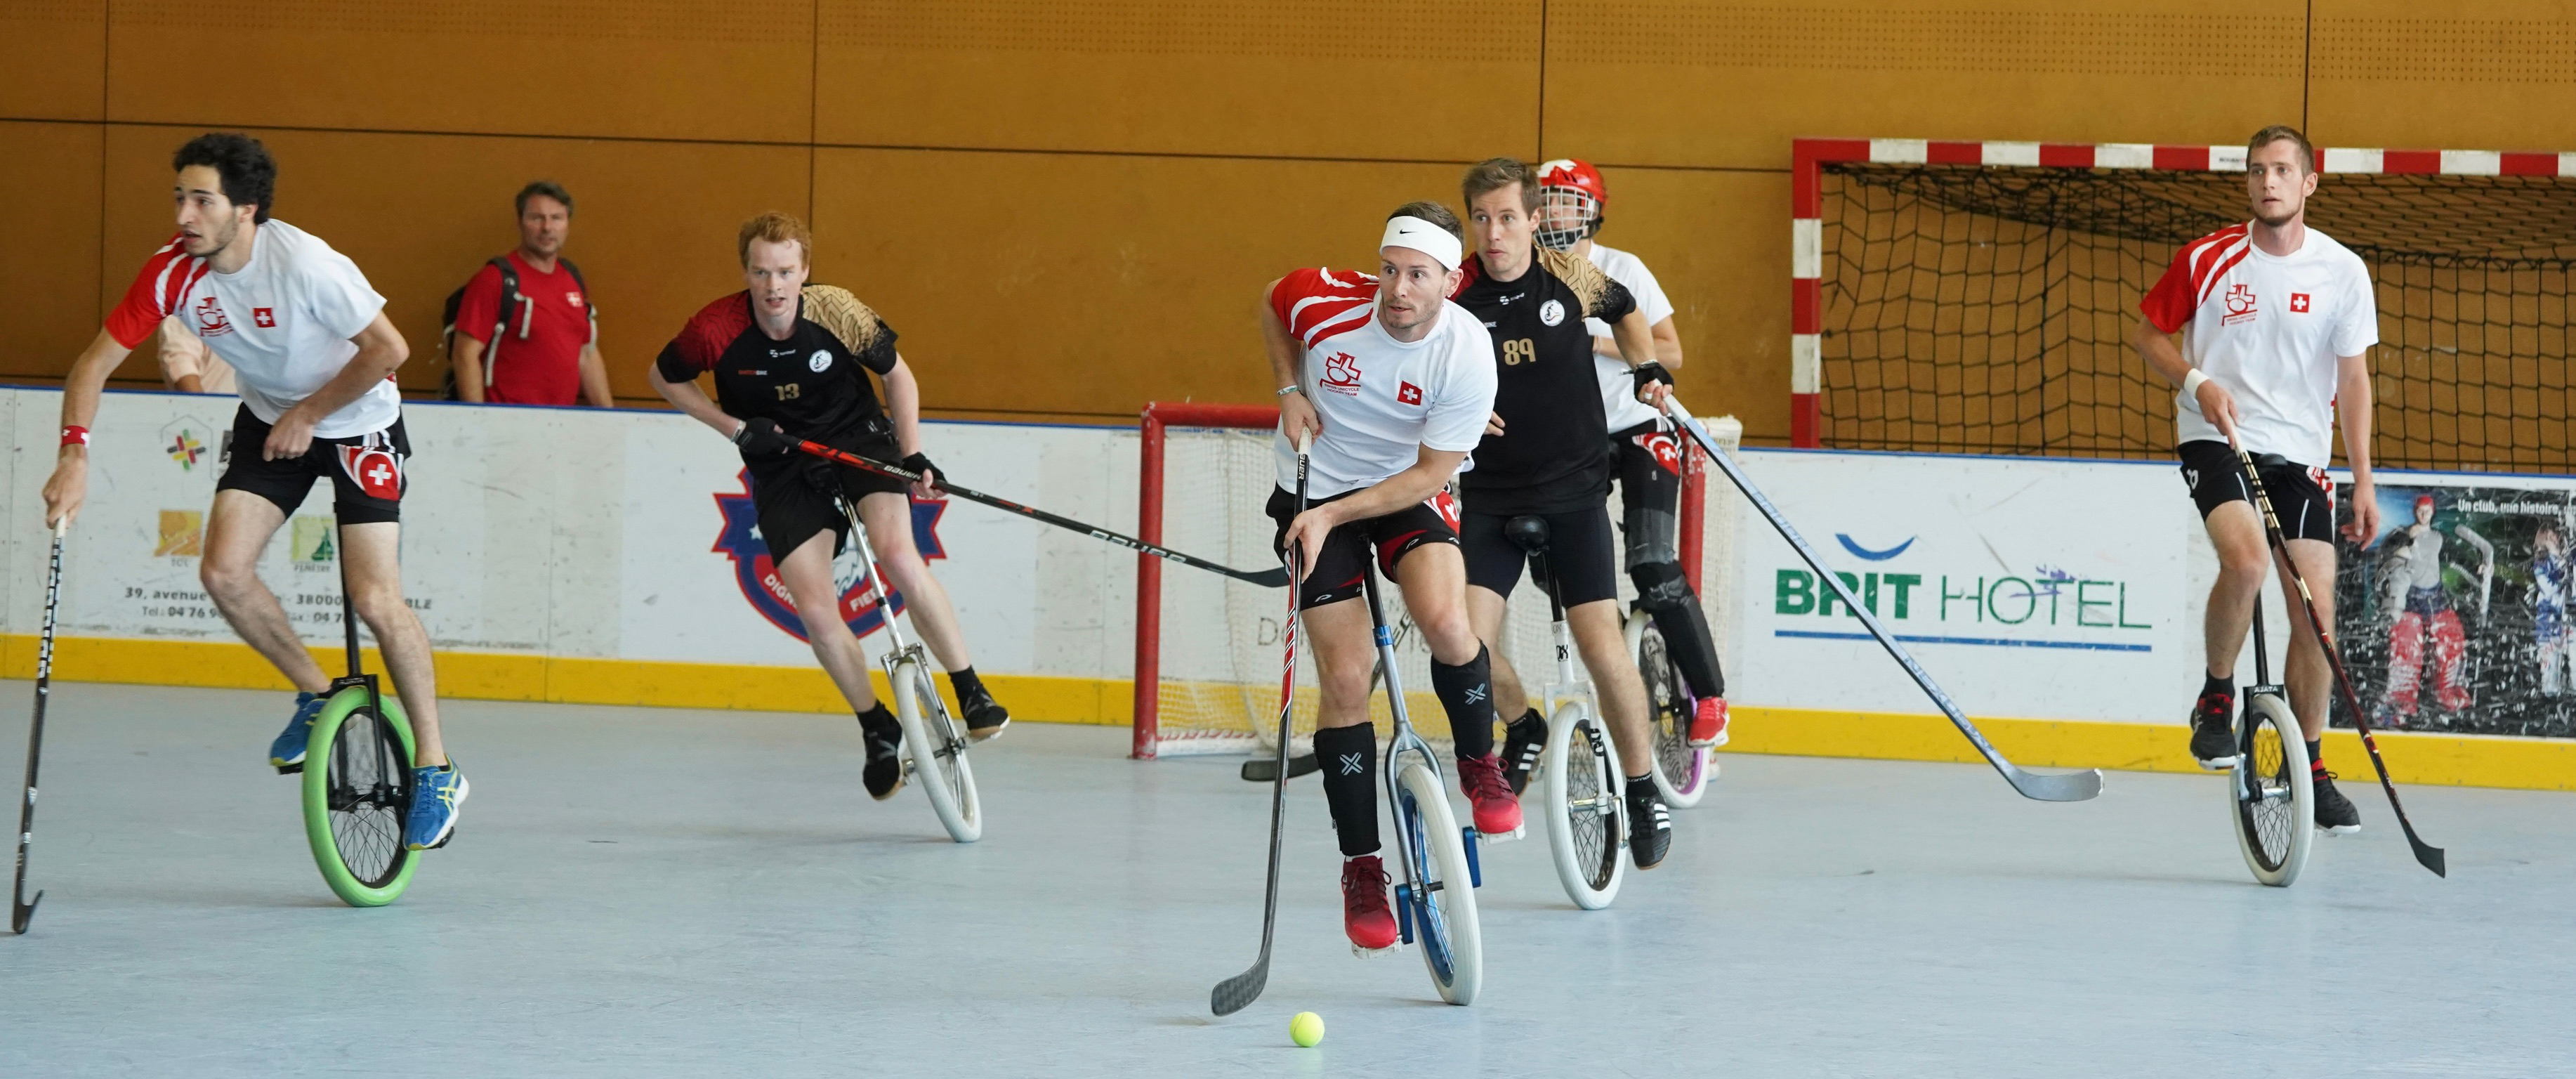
918, 464
760, 437
1649, 372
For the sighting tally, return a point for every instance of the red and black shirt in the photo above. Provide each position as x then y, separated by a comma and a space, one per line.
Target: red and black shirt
811, 384
1554, 453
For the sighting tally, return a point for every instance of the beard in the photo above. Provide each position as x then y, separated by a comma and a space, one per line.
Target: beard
2277, 221
216, 240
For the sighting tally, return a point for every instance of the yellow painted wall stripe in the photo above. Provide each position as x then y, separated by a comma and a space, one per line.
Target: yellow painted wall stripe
2414, 758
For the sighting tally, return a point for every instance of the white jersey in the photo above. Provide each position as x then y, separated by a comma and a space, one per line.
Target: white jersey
1381, 400
1618, 387
283, 321
2269, 329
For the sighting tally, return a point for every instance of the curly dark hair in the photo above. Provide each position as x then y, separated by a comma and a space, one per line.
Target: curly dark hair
249, 176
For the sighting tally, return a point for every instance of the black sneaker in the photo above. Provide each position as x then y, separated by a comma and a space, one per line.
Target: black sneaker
884, 772
2213, 736
1523, 740
985, 717
1650, 824
2335, 814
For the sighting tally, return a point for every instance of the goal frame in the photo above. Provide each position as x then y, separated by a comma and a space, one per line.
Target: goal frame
1154, 424
1809, 156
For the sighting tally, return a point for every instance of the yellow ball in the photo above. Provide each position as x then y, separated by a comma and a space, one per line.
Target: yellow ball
1306, 1029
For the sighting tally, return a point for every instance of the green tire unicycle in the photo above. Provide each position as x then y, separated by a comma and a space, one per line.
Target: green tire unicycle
357, 784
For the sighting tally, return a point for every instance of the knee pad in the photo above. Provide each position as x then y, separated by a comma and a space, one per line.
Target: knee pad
1666, 597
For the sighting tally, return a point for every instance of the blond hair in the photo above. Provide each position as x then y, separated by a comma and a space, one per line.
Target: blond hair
1495, 174
777, 228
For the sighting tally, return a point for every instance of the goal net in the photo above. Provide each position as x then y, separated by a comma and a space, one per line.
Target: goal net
1208, 647
1979, 297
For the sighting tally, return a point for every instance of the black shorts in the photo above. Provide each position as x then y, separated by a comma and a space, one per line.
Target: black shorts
1343, 560
794, 494
1646, 460
1578, 554
367, 472
2303, 496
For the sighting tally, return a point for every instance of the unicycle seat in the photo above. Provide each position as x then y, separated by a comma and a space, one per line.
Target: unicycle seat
1527, 533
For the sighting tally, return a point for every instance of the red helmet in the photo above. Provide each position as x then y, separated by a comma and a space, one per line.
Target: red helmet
1570, 199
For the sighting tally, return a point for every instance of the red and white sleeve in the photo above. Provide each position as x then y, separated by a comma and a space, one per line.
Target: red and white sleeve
155, 293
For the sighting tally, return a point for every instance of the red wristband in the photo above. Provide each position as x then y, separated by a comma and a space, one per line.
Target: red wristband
75, 436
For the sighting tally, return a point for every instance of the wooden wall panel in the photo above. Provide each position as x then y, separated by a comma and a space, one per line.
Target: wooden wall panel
2487, 75
1065, 283
1718, 242
53, 59
672, 69
653, 225
1430, 80
1670, 82
51, 217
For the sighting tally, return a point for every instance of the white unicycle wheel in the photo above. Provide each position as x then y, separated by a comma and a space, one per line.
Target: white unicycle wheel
1440, 905
2269, 793
937, 752
1586, 815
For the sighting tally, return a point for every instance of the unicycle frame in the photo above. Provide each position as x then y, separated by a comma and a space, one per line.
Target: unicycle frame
2243, 774
1570, 697
392, 739
900, 649
1404, 742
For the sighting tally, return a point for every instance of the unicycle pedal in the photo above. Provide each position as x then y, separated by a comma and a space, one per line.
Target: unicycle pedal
1404, 913
1475, 864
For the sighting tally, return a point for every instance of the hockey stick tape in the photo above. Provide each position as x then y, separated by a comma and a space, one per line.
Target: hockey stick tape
1423, 236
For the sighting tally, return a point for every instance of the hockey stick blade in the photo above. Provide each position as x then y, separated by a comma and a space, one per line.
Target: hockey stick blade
1265, 769
1274, 577
2062, 787
22, 913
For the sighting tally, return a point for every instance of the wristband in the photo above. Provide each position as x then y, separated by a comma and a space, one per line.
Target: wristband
2191, 383
1286, 390
75, 435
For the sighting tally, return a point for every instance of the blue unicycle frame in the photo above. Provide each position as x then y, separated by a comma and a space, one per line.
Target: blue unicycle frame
1415, 913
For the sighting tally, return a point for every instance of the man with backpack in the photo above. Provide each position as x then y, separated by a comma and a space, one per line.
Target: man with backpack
523, 331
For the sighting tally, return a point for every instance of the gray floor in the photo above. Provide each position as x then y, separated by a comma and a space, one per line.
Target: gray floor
649, 892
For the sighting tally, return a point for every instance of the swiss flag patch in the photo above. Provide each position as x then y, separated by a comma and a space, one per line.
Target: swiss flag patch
1407, 393
264, 317
1446, 505
376, 471
1668, 453
2298, 303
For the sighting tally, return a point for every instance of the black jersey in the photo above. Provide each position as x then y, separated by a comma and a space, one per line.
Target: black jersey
811, 384
1554, 453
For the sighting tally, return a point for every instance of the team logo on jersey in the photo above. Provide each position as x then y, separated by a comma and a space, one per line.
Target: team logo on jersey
1407, 393
210, 319
1668, 453
1551, 312
376, 470
264, 317
1341, 373
1446, 505
2240, 304
756, 572
573, 298
2298, 303
820, 361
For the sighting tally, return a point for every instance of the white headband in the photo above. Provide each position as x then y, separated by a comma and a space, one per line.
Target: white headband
1423, 236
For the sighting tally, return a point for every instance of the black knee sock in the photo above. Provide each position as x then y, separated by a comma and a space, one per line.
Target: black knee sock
1349, 759
1466, 691
963, 680
1667, 597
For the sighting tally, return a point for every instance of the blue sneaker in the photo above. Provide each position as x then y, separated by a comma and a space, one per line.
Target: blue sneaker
287, 752
435, 795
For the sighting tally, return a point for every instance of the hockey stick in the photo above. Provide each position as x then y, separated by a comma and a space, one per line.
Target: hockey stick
1265, 769
2427, 854
1233, 994
2059, 787
22, 910
1274, 577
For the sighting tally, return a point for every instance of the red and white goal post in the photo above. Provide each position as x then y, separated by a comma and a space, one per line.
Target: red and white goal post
1979, 296
1208, 647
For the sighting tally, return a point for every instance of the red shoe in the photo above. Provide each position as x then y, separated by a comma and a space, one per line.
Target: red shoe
1708, 726
1498, 810
1365, 915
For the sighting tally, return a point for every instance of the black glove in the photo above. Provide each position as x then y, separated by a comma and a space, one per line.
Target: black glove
918, 464
1650, 371
761, 438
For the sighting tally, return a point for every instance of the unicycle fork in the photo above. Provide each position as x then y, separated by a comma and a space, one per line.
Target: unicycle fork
1435, 903
1587, 819
934, 748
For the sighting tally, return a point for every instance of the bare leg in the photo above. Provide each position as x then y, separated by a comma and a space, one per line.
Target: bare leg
1344, 656
241, 526
370, 552
2236, 530
1486, 611
1434, 579
2308, 677
807, 573
889, 522
1599, 638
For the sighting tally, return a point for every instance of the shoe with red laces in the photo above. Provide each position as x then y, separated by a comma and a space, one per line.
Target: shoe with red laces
1365, 914
1498, 810
1708, 724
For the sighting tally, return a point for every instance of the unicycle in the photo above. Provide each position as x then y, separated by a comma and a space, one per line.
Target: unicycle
1585, 804
1435, 904
934, 749
2272, 794
1682, 770
357, 802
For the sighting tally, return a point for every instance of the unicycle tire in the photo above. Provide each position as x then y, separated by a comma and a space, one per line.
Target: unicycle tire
1682, 770
937, 753
1443, 896
357, 797
2270, 795
1587, 819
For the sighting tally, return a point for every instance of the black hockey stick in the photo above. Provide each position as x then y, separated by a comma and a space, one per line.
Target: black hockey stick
1265, 769
2057, 787
1233, 994
22, 910
1274, 577
2426, 853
